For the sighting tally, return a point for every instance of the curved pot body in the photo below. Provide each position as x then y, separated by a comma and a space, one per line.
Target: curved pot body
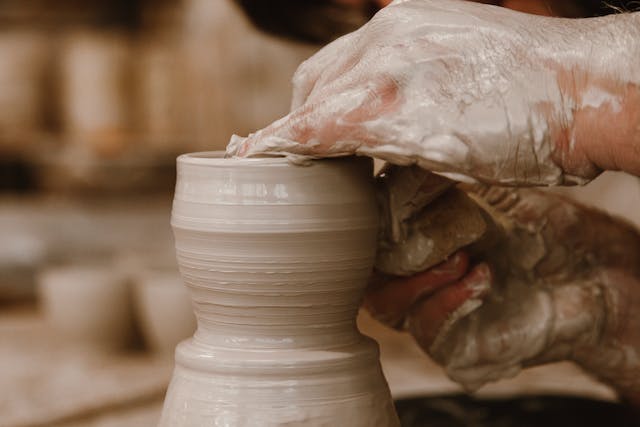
276, 257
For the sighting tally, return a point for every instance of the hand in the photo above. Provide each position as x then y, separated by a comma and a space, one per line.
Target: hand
471, 91
559, 282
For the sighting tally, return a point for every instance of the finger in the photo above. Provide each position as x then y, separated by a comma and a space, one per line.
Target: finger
390, 303
329, 127
434, 316
332, 59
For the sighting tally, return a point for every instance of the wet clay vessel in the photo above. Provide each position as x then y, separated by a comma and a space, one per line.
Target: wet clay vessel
276, 257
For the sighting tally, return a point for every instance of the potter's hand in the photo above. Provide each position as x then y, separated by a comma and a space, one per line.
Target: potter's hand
560, 281
470, 90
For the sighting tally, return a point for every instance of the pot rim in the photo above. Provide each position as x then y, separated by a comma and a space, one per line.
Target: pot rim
218, 159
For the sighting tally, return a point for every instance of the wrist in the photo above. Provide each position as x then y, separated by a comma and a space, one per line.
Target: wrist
609, 136
597, 67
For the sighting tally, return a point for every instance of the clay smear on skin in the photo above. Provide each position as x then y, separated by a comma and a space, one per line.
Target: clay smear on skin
600, 109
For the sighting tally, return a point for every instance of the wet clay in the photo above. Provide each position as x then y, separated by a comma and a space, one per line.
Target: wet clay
425, 219
276, 257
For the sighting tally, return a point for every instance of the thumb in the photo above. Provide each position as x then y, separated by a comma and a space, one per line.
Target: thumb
328, 127
329, 62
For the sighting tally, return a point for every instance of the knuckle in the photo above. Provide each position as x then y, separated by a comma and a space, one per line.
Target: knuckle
301, 75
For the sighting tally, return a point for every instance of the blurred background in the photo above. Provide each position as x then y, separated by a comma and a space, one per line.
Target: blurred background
96, 100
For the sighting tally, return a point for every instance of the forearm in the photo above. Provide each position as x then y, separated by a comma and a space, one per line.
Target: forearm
611, 135
600, 81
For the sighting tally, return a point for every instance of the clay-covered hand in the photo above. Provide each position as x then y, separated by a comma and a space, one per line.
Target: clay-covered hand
558, 282
469, 90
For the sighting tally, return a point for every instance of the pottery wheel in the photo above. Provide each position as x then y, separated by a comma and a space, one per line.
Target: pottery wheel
550, 411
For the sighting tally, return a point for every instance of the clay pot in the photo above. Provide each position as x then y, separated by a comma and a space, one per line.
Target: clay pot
276, 257
22, 252
87, 306
96, 91
239, 80
23, 62
162, 110
163, 308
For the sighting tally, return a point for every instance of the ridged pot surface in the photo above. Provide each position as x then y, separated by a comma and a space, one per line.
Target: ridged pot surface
276, 257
